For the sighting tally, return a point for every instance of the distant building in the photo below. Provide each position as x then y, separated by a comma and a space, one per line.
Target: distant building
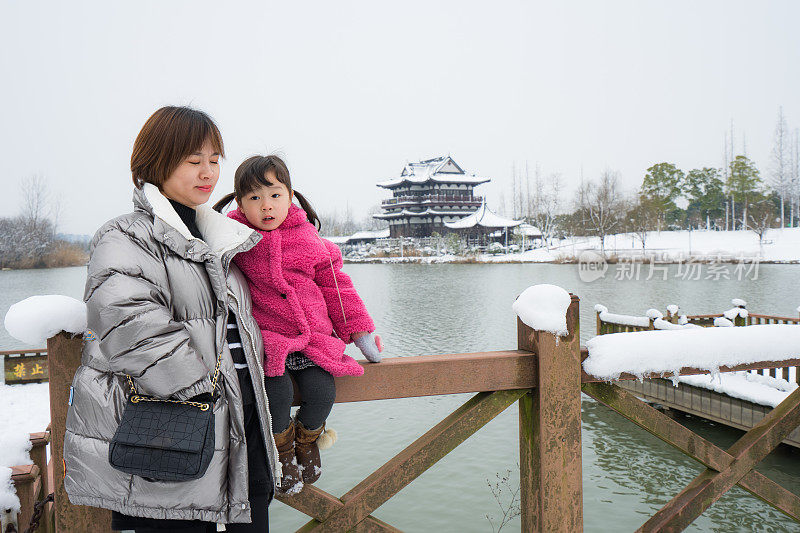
427, 195
483, 222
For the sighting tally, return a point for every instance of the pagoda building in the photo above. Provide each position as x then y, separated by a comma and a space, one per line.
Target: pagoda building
483, 223
428, 194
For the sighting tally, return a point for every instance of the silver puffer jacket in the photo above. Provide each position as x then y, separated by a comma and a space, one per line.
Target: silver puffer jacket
157, 302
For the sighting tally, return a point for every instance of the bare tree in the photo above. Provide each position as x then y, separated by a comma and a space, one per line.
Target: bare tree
643, 218
35, 198
545, 203
603, 203
759, 217
338, 222
779, 172
372, 223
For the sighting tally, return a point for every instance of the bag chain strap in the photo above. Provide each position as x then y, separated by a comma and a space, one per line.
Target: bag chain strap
136, 398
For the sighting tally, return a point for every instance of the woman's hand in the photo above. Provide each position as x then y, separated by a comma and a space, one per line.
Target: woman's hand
371, 346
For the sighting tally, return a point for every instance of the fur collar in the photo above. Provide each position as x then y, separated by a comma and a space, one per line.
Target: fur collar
221, 233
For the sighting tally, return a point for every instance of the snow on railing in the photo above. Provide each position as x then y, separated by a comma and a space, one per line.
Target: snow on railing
36, 319
666, 352
544, 308
624, 320
662, 324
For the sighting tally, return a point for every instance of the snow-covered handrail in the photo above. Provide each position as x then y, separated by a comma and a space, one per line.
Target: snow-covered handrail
623, 320
667, 352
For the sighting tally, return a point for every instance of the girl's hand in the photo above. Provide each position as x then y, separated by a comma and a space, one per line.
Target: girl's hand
371, 346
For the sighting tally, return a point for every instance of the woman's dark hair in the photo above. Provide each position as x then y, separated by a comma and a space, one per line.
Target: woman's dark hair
168, 137
252, 174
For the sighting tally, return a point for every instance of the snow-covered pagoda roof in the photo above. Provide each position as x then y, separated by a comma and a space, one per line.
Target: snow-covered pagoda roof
440, 169
373, 234
528, 230
360, 236
483, 217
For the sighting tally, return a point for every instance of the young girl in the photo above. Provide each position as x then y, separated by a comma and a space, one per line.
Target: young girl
306, 308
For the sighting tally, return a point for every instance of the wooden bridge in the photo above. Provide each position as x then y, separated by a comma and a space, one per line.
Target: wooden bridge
544, 376
708, 404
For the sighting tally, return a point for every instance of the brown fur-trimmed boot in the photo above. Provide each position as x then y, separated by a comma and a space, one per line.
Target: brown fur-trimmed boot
307, 452
290, 474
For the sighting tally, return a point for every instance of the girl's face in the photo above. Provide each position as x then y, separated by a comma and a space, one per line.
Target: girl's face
194, 180
267, 206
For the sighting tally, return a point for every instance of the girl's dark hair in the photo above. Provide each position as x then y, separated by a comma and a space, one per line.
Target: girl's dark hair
168, 137
252, 174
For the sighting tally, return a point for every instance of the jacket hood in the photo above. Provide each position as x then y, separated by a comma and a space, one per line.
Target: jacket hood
220, 233
295, 217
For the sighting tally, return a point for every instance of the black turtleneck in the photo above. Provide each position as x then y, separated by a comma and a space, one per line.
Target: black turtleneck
188, 216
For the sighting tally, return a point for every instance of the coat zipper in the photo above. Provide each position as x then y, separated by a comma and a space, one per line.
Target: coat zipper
262, 388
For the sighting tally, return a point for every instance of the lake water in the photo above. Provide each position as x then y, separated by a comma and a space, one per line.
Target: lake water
436, 309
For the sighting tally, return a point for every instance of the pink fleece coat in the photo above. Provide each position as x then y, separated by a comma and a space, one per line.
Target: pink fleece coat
293, 276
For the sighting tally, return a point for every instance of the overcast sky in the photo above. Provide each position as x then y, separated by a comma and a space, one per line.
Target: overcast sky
348, 92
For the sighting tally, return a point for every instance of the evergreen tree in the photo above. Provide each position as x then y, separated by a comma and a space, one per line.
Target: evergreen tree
744, 182
705, 192
662, 186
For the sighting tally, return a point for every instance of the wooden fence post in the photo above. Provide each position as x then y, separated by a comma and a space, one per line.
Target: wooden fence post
64, 357
551, 484
26, 480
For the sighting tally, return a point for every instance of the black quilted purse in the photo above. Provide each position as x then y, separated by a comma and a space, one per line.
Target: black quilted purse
164, 440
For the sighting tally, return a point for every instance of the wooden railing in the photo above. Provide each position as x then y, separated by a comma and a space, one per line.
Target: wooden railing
433, 198
32, 483
545, 377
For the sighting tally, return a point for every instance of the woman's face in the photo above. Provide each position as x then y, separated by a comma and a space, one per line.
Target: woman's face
192, 183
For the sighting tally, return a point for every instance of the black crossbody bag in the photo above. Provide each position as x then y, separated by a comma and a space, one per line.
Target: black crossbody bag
164, 440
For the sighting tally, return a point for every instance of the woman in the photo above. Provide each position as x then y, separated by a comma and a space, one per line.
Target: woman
163, 299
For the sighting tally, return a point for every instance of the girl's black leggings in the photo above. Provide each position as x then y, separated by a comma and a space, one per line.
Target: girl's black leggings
317, 392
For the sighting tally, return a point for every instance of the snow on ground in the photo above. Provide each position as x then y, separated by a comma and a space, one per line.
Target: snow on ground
756, 388
36, 319
24, 409
646, 352
778, 245
544, 308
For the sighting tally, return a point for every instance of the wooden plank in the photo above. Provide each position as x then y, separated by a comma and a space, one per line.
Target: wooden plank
34, 351
318, 504
530, 479
693, 445
65, 357
420, 455
747, 452
550, 432
428, 375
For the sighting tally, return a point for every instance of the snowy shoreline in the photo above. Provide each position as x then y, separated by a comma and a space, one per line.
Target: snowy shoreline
505, 259
779, 246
